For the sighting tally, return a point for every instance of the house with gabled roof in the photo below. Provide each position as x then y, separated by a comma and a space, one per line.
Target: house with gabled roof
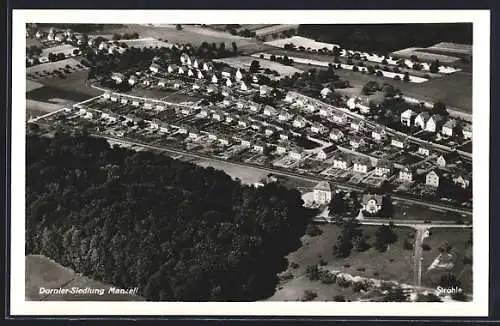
340, 119
379, 134
406, 174
297, 153
199, 74
467, 131
270, 111
282, 147
238, 76
421, 119
299, 122
357, 142
462, 180
432, 178
172, 68
448, 127
362, 164
424, 151
133, 80
325, 92
117, 77
383, 168
447, 158
357, 125
408, 117
265, 90
326, 152
214, 79
336, 134
154, 68
434, 123
284, 115
322, 193
185, 59
259, 146
243, 86
318, 128
342, 161
162, 82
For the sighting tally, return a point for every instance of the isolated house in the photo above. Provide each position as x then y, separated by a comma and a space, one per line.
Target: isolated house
446, 159
197, 85
362, 164
448, 127
383, 168
326, 152
406, 174
147, 81
245, 143
408, 117
432, 179
148, 105
336, 134
421, 120
371, 203
284, 135
434, 123
212, 88
322, 193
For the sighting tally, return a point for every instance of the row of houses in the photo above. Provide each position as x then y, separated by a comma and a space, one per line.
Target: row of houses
434, 123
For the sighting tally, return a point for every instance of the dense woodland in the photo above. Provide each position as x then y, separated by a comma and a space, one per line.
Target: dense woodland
178, 231
386, 38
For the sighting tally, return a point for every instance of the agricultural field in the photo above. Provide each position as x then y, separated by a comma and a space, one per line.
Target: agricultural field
394, 264
424, 56
275, 29
243, 62
51, 66
299, 41
44, 272
189, 34
451, 246
64, 48
147, 42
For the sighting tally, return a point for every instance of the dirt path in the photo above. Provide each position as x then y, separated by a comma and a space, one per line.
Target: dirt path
417, 257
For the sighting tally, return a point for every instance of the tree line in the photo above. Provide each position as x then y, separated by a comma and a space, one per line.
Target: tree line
178, 231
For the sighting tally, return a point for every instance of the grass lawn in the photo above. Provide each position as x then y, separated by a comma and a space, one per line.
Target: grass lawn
458, 240
243, 62
376, 264
189, 34
44, 272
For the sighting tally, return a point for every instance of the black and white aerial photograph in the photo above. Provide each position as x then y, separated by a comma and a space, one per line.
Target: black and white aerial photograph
223, 162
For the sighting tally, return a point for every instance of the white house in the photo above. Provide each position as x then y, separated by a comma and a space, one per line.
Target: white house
180, 71
432, 179
326, 152
357, 142
448, 127
318, 128
362, 165
284, 115
322, 193
259, 147
162, 82
398, 142
282, 147
297, 153
406, 175
299, 122
336, 134
342, 162
467, 131
238, 76
357, 125
154, 68
340, 119
229, 83
462, 181
190, 73
200, 75
423, 151
434, 123
124, 100
379, 134
421, 120
243, 86
214, 79
383, 168
325, 92
118, 77
133, 80
408, 117
270, 111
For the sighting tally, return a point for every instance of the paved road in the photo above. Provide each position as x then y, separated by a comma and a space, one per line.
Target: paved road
280, 172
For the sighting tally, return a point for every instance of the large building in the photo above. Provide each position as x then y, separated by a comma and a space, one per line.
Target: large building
322, 193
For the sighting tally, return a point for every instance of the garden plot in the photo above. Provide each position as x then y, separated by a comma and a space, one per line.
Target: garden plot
299, 41
243, 62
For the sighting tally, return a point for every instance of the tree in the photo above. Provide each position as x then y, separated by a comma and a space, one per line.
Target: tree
178, 27
396, 295
387, 207
384, 236
235, 48
397, 77
439, 108
254, 66
449, 281
406, 77
434, 67
313, 272
337, 204
339, 298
